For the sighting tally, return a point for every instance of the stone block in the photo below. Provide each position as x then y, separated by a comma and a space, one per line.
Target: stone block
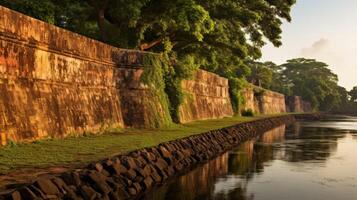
47, 186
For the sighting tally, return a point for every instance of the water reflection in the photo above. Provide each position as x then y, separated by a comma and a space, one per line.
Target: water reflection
302, 161
196, 183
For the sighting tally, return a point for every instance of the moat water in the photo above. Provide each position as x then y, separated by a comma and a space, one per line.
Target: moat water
302, 161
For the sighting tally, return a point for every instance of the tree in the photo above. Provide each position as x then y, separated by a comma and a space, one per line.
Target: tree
77, 15
312, 80
347, 105
44, 10
279, 81
353, 94
260, 74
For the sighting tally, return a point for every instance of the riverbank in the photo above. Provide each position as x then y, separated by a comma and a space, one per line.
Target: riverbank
73, 152
134, 173
22, 163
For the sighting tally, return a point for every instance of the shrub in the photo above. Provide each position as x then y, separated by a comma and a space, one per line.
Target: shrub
247, 113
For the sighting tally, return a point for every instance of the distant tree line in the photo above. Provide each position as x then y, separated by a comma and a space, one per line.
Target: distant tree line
349, 101
308, 78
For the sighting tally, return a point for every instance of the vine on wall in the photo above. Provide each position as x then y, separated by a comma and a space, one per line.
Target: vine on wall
237, 99
164, 73
153, 76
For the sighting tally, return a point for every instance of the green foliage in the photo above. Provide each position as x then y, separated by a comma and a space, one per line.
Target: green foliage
11, 144
165, 77
258, 91
308, 78
44, 10
235, 87
353, 94
268, 75
348, 103
153, 76
75, 15
261, 75
180, 69
313, 81
247, 113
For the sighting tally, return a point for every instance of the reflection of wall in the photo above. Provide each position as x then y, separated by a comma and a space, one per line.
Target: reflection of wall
206, 97
263, 101
198, 182
249, 157
275, 135
295, 128
241, 160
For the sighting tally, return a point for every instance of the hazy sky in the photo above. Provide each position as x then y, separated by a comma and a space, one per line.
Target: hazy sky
325, 30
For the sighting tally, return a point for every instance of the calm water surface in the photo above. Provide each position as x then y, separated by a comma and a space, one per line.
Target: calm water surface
304, 161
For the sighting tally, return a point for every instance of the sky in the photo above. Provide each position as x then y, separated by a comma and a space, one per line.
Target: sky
322, 29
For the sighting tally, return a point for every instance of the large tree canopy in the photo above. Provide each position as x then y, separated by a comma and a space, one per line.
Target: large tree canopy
260, 74
308, 78
312, 80
220, 31
353, 94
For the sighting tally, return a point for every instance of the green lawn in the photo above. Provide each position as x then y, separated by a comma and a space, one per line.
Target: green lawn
82, 150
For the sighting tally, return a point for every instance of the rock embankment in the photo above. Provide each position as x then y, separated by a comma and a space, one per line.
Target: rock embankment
128, 176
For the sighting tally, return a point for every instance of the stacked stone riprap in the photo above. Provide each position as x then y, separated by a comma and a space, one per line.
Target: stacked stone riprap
128, 176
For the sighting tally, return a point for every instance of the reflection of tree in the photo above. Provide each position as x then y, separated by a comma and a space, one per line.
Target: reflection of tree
238, 193
274, 135
240, 162
311, 143
354, 136
199, 183
251, 156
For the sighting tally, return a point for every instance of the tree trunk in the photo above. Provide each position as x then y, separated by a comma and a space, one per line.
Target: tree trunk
100, 12
146, 46
149, 45
101, 23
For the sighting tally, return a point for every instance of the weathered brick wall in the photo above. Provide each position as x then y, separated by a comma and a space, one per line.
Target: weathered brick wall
140, 106
206, 97
263, 101
54, 82
297, 104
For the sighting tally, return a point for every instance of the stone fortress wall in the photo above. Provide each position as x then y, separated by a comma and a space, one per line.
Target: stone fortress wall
55, 83
263, 101
206, 97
